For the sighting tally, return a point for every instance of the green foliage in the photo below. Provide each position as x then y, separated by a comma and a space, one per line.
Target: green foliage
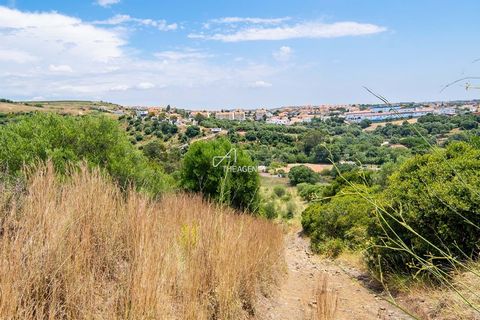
431, 206
331, 247
346, 177
291, 209
302, 174
192, 131
279, 191
365, 123
310, 192
346, 217
269, 210
68, 140
226, 183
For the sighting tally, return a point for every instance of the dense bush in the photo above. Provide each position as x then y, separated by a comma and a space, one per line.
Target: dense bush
346, 218
69, 140
223, 183
432, 209
310, 192
192, 131
302, 174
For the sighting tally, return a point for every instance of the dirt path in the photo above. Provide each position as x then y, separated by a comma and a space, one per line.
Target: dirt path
296, 299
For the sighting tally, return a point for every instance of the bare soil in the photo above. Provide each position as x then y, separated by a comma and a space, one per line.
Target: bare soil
295, 298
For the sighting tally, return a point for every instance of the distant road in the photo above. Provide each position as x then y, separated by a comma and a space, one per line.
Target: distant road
207, 137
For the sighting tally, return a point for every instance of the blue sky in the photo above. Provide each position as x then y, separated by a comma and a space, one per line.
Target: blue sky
226, 54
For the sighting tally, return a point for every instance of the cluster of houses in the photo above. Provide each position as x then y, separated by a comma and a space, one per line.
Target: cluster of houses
391, 113
384, 113
305, 114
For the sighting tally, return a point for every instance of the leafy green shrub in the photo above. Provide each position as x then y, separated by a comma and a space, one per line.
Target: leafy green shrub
429, 210
192, 131
346, 217
331, 248
227, 182
310, 192
269, 210
67, 140
301, 174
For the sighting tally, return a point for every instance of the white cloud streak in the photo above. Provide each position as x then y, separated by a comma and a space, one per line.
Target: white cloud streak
121, 19
107, 3
188, 54
308, 30
283, 54
260, 84
233, 20
63, 68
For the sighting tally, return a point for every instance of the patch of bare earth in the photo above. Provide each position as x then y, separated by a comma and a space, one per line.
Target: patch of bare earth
297, 298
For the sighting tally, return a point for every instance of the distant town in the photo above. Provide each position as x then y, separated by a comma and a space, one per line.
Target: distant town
291, 115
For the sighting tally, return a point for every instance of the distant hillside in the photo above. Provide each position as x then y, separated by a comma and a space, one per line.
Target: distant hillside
63, 107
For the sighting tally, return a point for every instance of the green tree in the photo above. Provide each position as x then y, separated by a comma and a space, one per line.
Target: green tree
232, 181
192, 131
302, 174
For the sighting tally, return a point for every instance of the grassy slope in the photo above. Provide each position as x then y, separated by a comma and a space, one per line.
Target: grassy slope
64, 107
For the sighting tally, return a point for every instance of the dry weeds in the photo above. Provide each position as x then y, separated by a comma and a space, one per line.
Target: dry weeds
81, 249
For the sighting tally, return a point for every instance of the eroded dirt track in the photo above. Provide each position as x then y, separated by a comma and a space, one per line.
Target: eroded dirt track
295, 298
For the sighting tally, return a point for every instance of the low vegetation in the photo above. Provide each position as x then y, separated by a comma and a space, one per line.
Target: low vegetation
67, 141
80, 248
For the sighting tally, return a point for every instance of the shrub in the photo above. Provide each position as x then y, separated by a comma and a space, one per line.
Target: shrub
269, 210
71, 140
431, 208
331, 248
301, 174
346, 217
234, 187
291, 209
310, 192
279, 191
192, 131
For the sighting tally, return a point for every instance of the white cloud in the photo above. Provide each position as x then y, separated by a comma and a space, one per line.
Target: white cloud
120, 87
54, 36
12, 55
120, 19
107, 3
283, 54
105, 67
260, 84
145, 85
310, 30
231, 20
188, 54
60, 68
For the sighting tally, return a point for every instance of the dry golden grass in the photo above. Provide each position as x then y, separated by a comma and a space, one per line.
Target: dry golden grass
81, 249
442, 303
326, 300
62, 107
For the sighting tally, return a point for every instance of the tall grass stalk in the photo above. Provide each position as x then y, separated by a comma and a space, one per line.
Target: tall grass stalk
326, 301
82, 249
